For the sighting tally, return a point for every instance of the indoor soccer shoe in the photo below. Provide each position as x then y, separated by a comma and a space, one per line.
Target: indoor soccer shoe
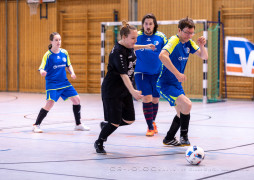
103, 124
81, 127
155, 128
150, 133
99, 148
173, 142
37, 129
184, 141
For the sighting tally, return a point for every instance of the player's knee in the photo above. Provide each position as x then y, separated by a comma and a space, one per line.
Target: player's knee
188, 105
75, 100
49, 105
128, 122
116, 125
147, 98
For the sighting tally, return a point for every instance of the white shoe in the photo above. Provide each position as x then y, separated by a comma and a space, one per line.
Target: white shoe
81, 127
37, 129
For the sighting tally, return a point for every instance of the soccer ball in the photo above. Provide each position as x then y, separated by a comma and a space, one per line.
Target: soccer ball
194, 155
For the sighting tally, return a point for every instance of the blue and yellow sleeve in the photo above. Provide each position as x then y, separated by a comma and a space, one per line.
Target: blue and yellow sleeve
68, 57
194, 47
163, 36
44, 60
171, 44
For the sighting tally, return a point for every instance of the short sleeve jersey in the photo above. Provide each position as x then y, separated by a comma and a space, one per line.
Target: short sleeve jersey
178, 54
121, 61
148, 61
54, 65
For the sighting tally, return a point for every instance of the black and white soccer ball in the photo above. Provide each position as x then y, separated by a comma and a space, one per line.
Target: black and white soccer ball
195, 155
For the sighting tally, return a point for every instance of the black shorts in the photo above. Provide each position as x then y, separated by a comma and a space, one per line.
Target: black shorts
116, 109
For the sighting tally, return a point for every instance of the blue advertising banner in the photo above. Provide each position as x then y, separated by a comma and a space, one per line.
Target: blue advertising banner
239, 57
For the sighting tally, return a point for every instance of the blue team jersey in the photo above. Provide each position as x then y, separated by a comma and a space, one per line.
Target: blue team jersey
54, 65
148, 61
178, 54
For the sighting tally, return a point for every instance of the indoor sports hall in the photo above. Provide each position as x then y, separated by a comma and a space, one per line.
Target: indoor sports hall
221, 89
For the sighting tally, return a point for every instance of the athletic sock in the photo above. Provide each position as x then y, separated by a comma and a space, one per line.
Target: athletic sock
184, 121
173, 128
155, 110
148, 113
42, 114
106, 131
76, 111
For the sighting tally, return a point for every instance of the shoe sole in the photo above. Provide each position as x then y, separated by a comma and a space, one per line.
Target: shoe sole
185, 145
172, 145
150, 135
81, 130
102, 153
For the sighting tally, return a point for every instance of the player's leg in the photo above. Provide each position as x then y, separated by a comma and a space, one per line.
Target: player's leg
170, 93
155, 100
184, 107
113, 115
175, 125
51, 97
128, 112
76, 107
72, 94
143, 85
148, 113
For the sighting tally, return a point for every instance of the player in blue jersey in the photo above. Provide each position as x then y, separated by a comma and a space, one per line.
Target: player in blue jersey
53, 67
148, 68
174, 57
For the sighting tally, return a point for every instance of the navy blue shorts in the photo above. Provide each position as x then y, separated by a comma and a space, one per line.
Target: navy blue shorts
64, 93
147, 84
171, 93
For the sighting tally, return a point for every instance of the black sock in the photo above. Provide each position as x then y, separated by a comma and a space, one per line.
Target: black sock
106, 131
76, 111
42, 114
184, 119
173, 128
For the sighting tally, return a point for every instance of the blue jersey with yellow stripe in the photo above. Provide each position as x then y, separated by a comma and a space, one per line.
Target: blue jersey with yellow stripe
54, 65
148, 61
178, 54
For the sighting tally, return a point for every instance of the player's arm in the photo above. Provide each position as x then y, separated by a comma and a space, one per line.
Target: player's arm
148, 46
164, 57
71, 71
127, 82
43, 65
202, 52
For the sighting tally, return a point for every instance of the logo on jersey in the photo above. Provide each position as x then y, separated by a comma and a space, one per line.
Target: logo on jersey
58, 57
131, 68
58, 66
64, 59
187, 50
182, 58
156, 43
148, 39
